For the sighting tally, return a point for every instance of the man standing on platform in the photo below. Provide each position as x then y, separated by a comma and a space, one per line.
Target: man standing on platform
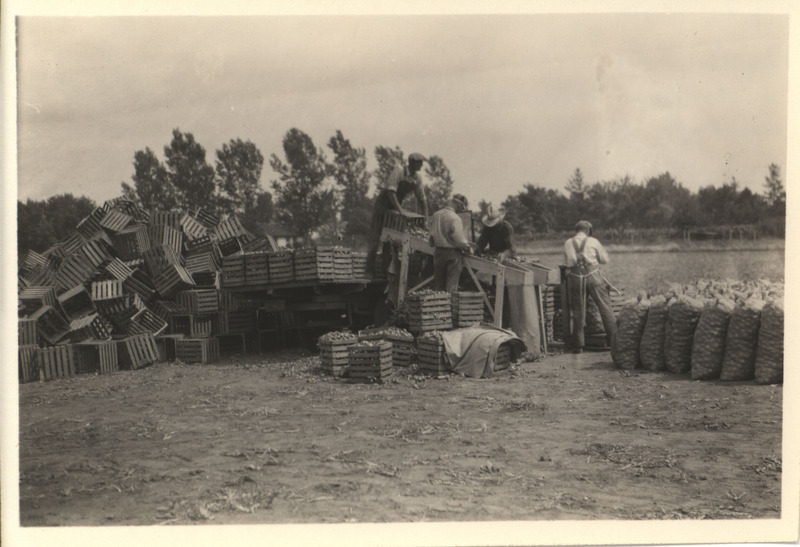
497, 234
401, 182
583, 254
449, 242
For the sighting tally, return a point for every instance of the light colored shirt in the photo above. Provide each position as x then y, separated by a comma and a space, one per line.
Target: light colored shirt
447, 230
593, 251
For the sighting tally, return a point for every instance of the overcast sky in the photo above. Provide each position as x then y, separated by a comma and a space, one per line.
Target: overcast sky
504, 100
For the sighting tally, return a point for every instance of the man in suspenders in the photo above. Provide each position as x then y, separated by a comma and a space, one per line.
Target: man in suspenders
583, 254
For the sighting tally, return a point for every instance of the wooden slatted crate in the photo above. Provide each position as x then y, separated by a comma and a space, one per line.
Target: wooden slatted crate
100, 356
333, 353
281, 267
35, 296
158, 259
166, 236
359, 260
342, 264
146, 321
117, 269
131, 242
140, 283
402, 343
90, 225
56, 362
93, 326
72, 244
198, 300
192, 229
261, 243
192, 325
233, 271
230, 246
166, 218
429, 311
76, 302
207, 218
32, 260
115, 221
28, 364
230, 228
467, 308
137, 351
28, 332
197, 350
75, 270
256, 266
401, 223
166, 344
432, 359
97, 253
172, 279
201, 262
315, 264
51, 325
369, 361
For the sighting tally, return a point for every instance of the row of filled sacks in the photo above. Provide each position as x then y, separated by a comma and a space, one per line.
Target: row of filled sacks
709, 338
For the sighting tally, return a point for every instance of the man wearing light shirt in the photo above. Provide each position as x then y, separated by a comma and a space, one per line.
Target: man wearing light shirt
449, 242
402, 181
583, 255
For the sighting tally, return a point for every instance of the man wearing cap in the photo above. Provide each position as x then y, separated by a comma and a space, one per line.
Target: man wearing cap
402, 181
449, 242
497, 234
583, 254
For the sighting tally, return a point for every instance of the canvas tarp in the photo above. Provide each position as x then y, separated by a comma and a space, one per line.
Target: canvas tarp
472, 351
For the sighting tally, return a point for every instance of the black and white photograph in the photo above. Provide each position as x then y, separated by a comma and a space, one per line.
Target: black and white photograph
350, 273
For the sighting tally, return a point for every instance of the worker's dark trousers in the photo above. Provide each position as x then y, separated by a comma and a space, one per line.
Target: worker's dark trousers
594, 287
447, 264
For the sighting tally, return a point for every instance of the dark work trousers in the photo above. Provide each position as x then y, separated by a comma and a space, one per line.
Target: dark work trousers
447, 264
590, 286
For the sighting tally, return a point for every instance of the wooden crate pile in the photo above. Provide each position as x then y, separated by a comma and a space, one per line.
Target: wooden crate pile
429, 310
233, 271
467, 308
314, 264
281, 266
342, 263
197, 350
369, 361
117, 278
402, 342
334, 351
432, 360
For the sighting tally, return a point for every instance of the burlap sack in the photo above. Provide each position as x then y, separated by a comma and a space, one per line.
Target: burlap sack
651, 345
682, 317
630, 324
769, 353
741, 341
708, 344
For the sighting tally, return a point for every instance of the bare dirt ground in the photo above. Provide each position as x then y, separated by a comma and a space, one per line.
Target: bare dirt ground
267, 439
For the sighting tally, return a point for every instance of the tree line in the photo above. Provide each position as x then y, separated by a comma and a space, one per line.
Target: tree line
325, 192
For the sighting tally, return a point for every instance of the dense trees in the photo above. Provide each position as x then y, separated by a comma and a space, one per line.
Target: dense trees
333, 198
42, 224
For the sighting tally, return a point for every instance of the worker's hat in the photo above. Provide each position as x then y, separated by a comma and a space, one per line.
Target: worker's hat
493, 216
416, 156
583, 225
